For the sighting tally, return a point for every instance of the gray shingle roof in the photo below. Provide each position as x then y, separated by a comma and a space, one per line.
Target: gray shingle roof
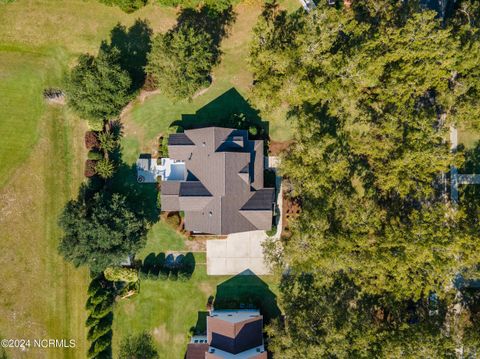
228, 172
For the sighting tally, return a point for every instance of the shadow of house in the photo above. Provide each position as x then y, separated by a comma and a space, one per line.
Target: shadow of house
247, 291
133, 45
229, 110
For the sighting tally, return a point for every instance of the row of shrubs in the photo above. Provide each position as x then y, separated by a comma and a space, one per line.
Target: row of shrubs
162, 268
100, 144
130, 6
99, 322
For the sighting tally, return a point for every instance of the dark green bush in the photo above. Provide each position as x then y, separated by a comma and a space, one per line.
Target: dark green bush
272, 231
91, 321
102, 309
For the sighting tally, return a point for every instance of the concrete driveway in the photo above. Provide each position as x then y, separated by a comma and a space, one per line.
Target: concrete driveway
240, 251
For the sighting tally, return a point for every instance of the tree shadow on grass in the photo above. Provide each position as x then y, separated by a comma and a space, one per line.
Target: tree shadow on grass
141, 197
228, 110
155, 264
133, 45
247, 291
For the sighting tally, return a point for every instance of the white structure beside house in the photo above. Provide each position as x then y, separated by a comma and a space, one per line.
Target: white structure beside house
148, 170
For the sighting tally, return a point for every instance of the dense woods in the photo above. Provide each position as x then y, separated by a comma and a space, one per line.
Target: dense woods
372, 91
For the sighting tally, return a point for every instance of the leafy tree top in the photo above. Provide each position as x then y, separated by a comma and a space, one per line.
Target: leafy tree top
97, 87
100, 233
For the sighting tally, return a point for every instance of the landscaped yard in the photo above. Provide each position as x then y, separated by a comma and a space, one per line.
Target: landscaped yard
169, 309
153, 115
41, 168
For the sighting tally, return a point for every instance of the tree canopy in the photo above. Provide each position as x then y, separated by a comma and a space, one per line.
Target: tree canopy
97, 87
181, 60
101, 231
371, 91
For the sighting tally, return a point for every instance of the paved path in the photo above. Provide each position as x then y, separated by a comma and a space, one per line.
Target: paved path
237, 253
243, 251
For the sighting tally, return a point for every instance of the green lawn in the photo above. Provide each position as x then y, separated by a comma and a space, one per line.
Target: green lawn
42, 296
161, 237
41, 167
468, 137
41, 164
149, 118
169, 310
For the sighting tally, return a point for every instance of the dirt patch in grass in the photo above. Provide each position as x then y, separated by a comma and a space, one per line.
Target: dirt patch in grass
291, 210
207, 288
160, 334
196, 245
275, 148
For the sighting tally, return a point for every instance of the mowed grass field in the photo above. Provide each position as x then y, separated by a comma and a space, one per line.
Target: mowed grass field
169, 309
152, 116
41, 168
41, 165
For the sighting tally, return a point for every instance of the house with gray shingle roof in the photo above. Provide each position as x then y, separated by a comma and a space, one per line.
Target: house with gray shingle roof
222, 189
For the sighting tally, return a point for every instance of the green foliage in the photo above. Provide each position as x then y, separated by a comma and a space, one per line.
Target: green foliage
371, 92
139, 346
369, 144
103, 343
102, 327
181, 60
271, 232
91, 320
338, 321
97, 88
253, 130
126, 5
116, 274
164, 147
105, 168
102, 309
95, 155
96, 124
107, 140
101, 233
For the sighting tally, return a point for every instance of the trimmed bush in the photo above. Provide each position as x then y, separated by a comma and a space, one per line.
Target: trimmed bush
91, 140
103, 342
120, 274
253, 130
94, 286
96, 124
103, 326
102, 309
173, 275
91, 321
105, 168
95, 155
90, 168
